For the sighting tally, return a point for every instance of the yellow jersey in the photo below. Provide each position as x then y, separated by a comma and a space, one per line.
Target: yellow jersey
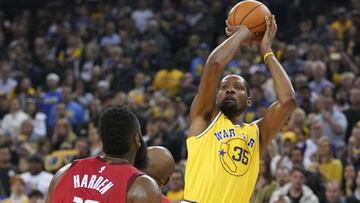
223, 163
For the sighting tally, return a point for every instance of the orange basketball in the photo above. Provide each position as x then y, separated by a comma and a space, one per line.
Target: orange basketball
252, 14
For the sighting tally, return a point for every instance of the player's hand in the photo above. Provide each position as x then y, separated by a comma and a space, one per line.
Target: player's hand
231, 29
267, 40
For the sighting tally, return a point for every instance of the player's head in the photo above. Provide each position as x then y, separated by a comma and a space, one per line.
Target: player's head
233, 95
161, 165
121, 136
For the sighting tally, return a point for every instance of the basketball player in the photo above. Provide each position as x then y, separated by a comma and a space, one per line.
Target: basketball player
112, 176
161, 166
223, 152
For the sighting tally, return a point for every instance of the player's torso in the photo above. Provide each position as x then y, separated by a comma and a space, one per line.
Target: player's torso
93, 180
223, 163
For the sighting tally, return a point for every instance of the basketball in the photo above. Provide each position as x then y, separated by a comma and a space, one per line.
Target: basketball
252, 15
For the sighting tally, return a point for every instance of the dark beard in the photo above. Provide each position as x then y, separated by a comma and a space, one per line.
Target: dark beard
228, 109
141, 158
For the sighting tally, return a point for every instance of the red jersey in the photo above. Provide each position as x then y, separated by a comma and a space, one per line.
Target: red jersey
95, 180
164, 199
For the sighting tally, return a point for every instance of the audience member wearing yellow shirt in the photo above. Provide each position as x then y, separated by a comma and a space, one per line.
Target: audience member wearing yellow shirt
342, 24
176, 192
168, 79
330, 168
17, 191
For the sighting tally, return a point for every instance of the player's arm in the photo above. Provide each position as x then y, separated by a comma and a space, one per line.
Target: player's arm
55, 181
204, 102
144, 189
278, 113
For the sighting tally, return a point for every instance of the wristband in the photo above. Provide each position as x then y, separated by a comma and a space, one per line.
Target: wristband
270, 53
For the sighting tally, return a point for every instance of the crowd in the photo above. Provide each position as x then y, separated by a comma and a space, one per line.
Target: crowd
62, 65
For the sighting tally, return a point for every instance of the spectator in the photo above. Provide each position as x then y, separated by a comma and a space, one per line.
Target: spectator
13, 120
6, 170
52, 96
123, 77
293, 64
333, 121
264, 180
184, 55
353, 155
111, 38
22, 91
95, 141
36, 178
17, 191
74, 111
296, 190
353, 113
198, 61
63, 135
176, 186
355, 198
141, 16
35, 196
316, 131
39, 118
320, 81
342, 24
6, 82
82, 96
168, 80
82, 146
283, 159
313, 179
282, 178
333, 193
348, 182
153, 32
329, 168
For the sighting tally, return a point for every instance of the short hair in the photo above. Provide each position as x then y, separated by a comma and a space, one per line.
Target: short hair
35, 193
298, 169
36, 158
117, 125
298, 149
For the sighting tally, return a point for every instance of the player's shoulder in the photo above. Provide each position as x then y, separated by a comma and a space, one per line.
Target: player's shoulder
144, 181
144, 188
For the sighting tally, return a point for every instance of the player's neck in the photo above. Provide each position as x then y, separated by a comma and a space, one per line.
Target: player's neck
236, 119
118, 159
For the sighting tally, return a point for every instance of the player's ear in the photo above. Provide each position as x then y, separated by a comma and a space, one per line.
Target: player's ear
137, 140
248, 102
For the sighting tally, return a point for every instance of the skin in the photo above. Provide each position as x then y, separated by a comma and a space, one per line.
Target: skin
161, 165
143, 189
232, 91
333, 192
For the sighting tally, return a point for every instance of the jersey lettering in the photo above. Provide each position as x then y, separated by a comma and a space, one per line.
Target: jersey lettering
80, 200
100, 184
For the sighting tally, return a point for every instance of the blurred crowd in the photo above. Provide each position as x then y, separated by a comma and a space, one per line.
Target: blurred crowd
61, 65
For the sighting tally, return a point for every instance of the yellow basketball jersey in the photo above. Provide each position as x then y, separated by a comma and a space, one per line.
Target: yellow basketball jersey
223, 163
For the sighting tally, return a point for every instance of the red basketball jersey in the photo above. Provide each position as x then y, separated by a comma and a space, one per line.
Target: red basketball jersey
94, 180
164, 199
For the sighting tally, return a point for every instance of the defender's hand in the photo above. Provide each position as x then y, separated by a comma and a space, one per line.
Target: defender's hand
267, 40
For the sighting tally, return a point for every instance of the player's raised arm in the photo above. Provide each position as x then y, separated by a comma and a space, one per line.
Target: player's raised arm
277, 114
204, 102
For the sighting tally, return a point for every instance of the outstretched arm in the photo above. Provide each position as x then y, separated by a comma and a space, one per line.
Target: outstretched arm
278, 113
204, 102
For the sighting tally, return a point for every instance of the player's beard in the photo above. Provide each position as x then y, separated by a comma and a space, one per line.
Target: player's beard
228, 108
141, 159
